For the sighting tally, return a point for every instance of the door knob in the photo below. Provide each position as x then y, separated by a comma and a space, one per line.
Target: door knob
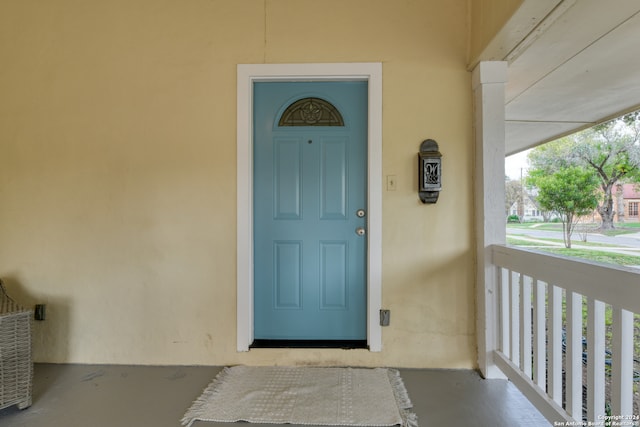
360, 231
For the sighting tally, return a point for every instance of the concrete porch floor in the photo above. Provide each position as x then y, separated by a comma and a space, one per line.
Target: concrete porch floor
158, 396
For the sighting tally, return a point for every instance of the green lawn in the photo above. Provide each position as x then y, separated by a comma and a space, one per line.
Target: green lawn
595, 255
588, 254
620, 228
526, 242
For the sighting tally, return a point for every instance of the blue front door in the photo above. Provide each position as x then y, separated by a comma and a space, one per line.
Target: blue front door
309, 191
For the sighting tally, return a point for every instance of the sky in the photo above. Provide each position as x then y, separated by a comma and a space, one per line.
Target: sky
513, 164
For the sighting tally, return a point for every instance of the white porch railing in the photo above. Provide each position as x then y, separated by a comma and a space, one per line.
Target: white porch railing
542, 348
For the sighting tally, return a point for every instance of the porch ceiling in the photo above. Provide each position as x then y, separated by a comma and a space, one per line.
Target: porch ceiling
577, 66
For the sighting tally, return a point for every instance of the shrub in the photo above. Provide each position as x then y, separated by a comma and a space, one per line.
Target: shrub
513, 218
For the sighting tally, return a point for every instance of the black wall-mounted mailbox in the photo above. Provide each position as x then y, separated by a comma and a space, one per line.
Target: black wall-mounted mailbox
429, 171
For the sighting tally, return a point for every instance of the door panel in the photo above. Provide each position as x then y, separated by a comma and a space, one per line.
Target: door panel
288, 178
287, 269
333, 178
333, 275
309, 181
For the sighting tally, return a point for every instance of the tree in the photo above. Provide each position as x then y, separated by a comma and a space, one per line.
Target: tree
571, 192
611, 150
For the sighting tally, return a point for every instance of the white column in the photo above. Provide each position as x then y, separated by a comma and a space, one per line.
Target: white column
488, 81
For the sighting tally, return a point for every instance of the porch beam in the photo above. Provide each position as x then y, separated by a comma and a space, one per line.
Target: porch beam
488, 83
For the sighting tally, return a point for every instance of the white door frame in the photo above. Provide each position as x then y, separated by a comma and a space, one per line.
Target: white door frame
248, 74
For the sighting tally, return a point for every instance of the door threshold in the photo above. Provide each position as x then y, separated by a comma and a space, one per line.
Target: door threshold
343, 344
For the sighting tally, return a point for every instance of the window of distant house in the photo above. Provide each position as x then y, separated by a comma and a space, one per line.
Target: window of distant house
311, 112
633, 208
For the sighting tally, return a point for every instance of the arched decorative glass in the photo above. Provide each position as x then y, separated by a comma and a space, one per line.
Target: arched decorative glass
311, 112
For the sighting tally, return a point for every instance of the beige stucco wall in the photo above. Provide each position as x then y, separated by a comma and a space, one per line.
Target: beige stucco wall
117, 181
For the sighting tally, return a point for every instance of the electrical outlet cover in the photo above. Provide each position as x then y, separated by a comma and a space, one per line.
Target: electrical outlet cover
385, 317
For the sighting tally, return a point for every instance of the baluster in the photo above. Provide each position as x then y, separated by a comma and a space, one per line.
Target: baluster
539, 333
622, 363
595, 359
525, 325
514, 283
504, 312
555, 344
574, 355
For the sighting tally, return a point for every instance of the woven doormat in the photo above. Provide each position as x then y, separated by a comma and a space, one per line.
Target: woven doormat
305, 396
